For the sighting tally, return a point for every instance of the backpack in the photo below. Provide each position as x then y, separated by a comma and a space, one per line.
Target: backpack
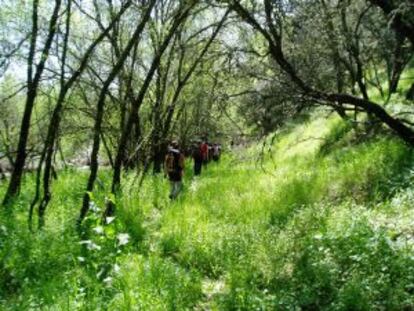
173, 162
197, 153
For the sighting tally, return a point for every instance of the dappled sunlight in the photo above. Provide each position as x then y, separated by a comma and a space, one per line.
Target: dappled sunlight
206, 155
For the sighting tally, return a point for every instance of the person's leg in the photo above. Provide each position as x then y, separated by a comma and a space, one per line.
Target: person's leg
175, 189
179, 187
172, 186
197, 168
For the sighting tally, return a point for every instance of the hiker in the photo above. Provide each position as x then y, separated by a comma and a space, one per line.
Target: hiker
210, 152
204, 152
174, 169
216, 152
197, 157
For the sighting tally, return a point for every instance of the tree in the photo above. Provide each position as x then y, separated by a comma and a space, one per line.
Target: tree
400, 15
101, 103
179, 18
65, 85
33, 80
271, 28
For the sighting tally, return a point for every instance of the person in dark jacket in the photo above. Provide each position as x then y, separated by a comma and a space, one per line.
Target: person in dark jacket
216, 152
197, 157
174, 169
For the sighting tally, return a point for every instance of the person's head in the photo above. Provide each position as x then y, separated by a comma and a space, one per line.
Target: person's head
174, 144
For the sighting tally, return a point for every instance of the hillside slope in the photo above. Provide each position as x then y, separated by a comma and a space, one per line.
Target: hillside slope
317, 218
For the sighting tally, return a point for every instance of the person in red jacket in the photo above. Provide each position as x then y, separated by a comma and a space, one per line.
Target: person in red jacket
204, 152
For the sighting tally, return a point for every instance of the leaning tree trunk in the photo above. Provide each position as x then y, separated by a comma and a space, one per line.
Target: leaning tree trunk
156, 150
156, 119
274, 40
54, 125
100, 109
400, 25
182, 82
116, 180
33, 83
50, 141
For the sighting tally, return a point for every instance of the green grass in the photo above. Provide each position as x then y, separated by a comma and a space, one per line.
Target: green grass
319, 221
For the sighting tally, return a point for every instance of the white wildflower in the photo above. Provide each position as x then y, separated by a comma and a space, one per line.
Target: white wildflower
194, 186
355, 258
93, 207
123, 238
109, 220
85, 242
93, 246
98, 230
99, 274
90, 245
117, 268
318, 237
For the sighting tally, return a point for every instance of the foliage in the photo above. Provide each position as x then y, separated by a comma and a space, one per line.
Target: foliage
306, 209
317, 231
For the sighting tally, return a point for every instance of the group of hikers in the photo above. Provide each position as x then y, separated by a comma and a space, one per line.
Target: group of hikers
202, 153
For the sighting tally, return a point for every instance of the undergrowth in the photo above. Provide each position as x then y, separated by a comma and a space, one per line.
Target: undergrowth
318, 221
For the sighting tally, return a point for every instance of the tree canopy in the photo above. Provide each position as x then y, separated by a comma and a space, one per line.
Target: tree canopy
111, 82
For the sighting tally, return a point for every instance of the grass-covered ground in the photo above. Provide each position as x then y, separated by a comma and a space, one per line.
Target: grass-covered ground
323, 220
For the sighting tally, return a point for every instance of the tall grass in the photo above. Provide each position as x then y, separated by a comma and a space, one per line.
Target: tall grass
315, 224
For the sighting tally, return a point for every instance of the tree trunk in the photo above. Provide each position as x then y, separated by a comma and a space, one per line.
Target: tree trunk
100, 110
400, 25
54, 125
116, 180
275, 49
183, 82
33, 83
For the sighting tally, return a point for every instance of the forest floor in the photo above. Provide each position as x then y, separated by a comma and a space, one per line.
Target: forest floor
319, 217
